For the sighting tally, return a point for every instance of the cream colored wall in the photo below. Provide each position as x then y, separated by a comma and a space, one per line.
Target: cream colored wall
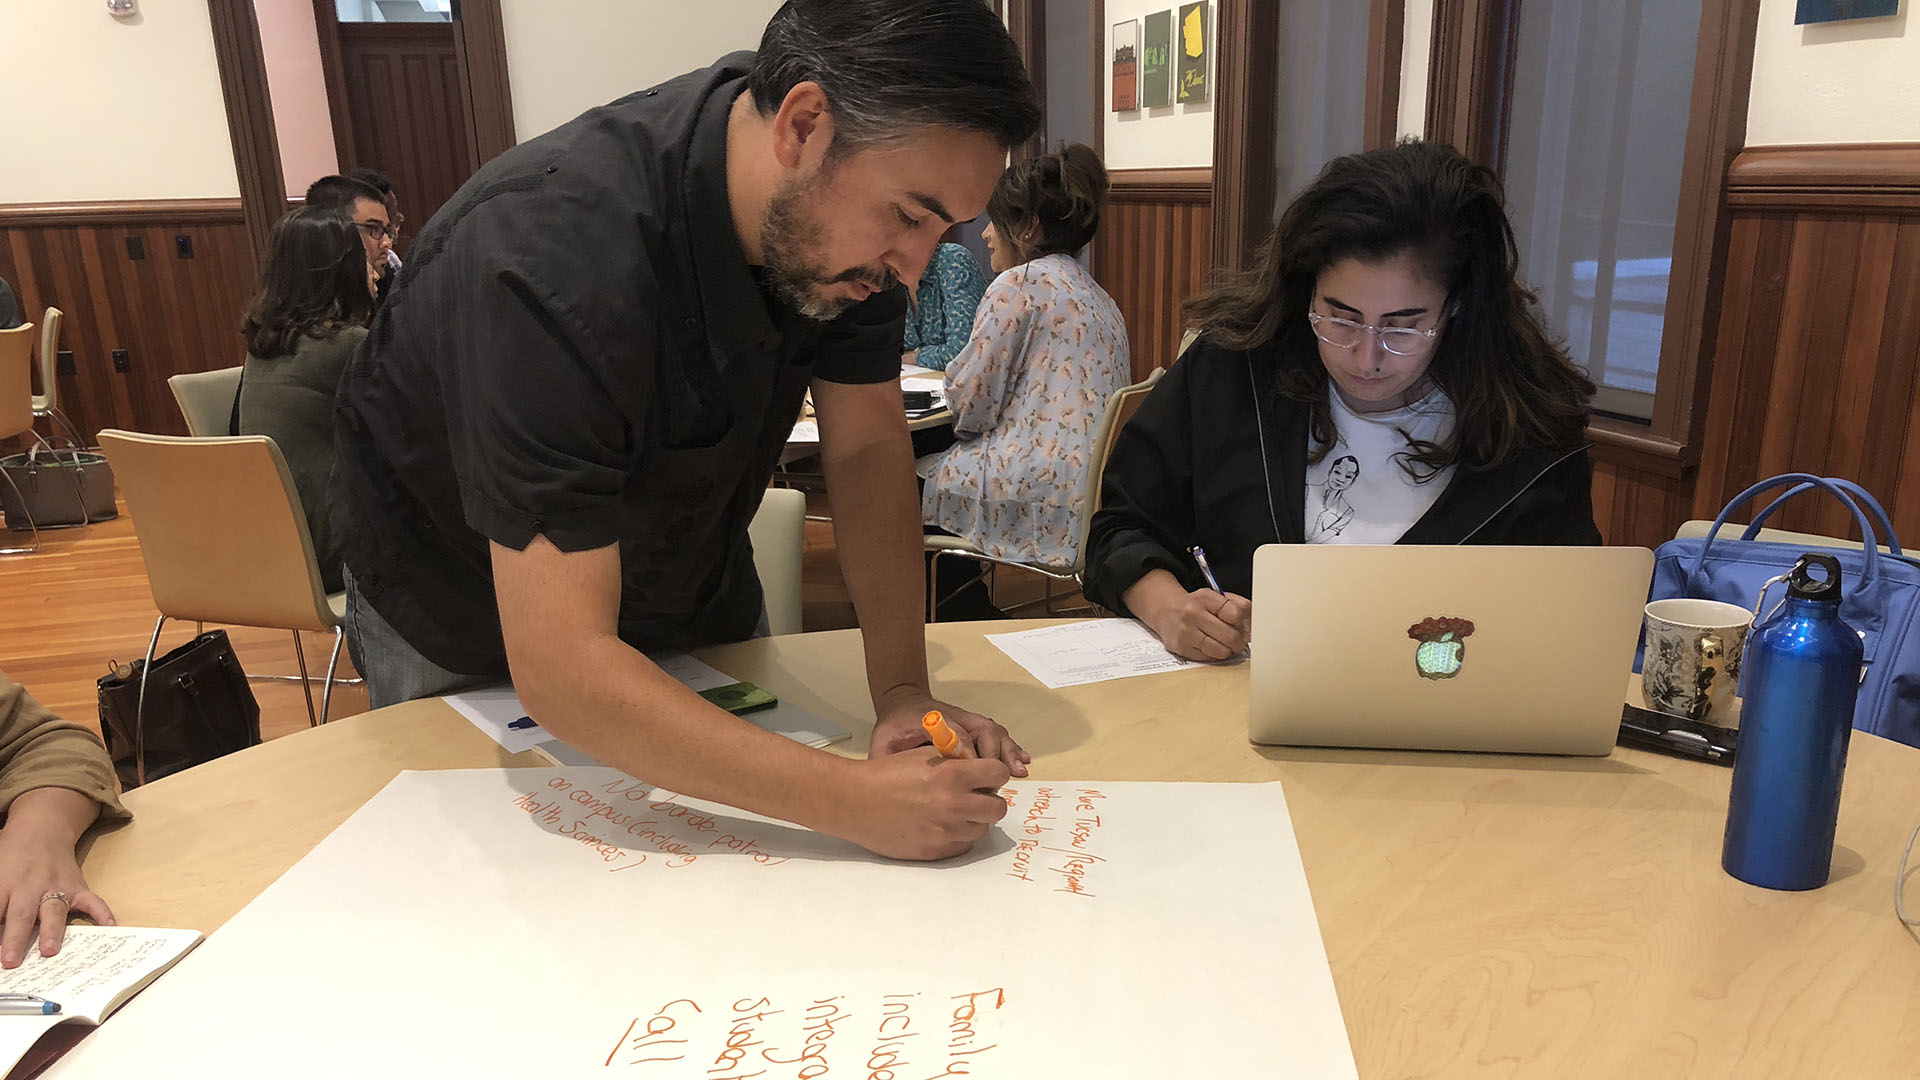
100, 108
1415, 46
291, 44
1847, 82
566, 56
1175, 137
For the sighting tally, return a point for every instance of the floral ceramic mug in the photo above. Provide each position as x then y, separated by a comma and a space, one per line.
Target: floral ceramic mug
1692, 662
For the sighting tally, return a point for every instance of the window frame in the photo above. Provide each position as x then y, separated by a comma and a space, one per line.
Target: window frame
1469, 99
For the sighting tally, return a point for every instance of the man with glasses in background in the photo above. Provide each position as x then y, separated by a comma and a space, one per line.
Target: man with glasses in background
366, 206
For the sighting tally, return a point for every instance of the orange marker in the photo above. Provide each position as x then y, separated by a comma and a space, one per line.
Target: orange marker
945, 739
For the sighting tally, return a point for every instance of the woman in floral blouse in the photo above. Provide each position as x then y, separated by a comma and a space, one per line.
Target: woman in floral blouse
1048, 348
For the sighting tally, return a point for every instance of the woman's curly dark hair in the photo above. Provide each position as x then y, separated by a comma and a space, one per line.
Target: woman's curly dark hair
1512, 385
314, 281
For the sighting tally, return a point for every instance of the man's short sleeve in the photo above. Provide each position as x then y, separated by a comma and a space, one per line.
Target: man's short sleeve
540, 425
864, 345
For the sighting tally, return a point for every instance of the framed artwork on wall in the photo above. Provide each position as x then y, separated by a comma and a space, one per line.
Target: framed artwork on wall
1156, 61
1195, 42
1817, 11
1126, 65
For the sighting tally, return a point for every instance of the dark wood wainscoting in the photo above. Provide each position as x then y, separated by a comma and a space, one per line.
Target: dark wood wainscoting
1154, 250
1816, 364
170, 313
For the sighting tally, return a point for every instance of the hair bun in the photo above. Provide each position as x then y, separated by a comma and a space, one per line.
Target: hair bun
1083, 181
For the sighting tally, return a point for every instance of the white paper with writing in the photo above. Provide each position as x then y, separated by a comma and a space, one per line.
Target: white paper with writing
96, 968
1087, 652
494, 710
574, 923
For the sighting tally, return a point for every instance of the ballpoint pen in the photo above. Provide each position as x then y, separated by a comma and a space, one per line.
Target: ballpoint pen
27, 1005
1200, 557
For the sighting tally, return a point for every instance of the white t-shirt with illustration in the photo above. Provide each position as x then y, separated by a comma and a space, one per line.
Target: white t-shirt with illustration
1359, 493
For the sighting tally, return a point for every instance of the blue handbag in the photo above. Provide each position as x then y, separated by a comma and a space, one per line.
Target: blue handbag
1882, 591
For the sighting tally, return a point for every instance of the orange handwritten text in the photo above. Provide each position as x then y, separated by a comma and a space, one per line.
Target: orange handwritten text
1023, 859
962, 1035
746, 845
748, 1014
652, 1043
896, 1027
1046, 836
546, 813
759, 1037
1037, 816
820, 1028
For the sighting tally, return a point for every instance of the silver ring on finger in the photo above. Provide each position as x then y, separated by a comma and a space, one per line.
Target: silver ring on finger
57, 895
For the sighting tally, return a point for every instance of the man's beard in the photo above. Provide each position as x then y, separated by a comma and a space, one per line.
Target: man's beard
787, 233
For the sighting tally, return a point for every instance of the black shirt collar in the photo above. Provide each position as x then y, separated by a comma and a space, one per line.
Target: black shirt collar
735, 308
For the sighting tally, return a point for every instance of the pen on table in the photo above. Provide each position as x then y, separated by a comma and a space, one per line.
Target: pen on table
1200, 557
945, 739
27, 1005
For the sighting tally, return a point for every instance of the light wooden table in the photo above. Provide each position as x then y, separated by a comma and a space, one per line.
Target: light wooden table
1484, 915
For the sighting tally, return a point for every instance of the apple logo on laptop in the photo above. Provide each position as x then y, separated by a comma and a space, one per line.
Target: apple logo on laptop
1443, 645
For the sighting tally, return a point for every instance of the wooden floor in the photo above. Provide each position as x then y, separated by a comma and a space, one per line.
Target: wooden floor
81, 604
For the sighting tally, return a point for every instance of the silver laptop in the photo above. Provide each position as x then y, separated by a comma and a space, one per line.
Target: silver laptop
1507, 649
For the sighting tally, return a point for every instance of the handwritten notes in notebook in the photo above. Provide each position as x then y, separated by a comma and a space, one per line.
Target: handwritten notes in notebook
574, 923
96, 969
1087, 652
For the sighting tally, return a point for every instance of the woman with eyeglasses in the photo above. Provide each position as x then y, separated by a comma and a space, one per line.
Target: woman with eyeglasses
1379, 376
309, 312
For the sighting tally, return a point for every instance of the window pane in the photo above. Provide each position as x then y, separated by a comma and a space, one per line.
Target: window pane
362, 11
1599, 126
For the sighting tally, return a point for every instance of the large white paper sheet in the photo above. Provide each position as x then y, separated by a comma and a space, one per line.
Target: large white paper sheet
574, 923
1088, 652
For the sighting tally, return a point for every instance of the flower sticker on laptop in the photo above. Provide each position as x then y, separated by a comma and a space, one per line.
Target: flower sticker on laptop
1443, 646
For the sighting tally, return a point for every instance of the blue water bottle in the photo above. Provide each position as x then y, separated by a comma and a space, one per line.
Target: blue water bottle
1802, 674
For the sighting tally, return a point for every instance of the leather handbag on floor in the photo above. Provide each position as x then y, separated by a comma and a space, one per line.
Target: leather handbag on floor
199, 707
60, 487
1881, 593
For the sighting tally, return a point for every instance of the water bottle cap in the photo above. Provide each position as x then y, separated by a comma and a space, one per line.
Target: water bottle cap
1802, 585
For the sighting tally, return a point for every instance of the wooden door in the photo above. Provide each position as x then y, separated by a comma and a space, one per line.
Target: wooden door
406, 112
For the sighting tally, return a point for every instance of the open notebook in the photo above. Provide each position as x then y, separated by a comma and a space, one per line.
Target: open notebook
94, 973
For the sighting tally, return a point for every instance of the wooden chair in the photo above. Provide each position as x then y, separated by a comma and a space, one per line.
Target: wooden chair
206, 399
778, 533
225, 539
47, 403
1120, 408
16, 412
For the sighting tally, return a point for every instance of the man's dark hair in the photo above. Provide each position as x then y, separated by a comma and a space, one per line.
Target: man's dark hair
373, 178
338, 193
891, 66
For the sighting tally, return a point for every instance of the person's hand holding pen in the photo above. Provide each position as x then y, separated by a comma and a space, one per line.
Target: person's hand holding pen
950, 796
1205, 624
899, 728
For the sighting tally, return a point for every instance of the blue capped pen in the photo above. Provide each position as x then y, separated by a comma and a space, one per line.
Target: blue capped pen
1200, 558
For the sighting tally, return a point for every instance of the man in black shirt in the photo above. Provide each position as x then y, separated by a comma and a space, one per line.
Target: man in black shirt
564, 417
